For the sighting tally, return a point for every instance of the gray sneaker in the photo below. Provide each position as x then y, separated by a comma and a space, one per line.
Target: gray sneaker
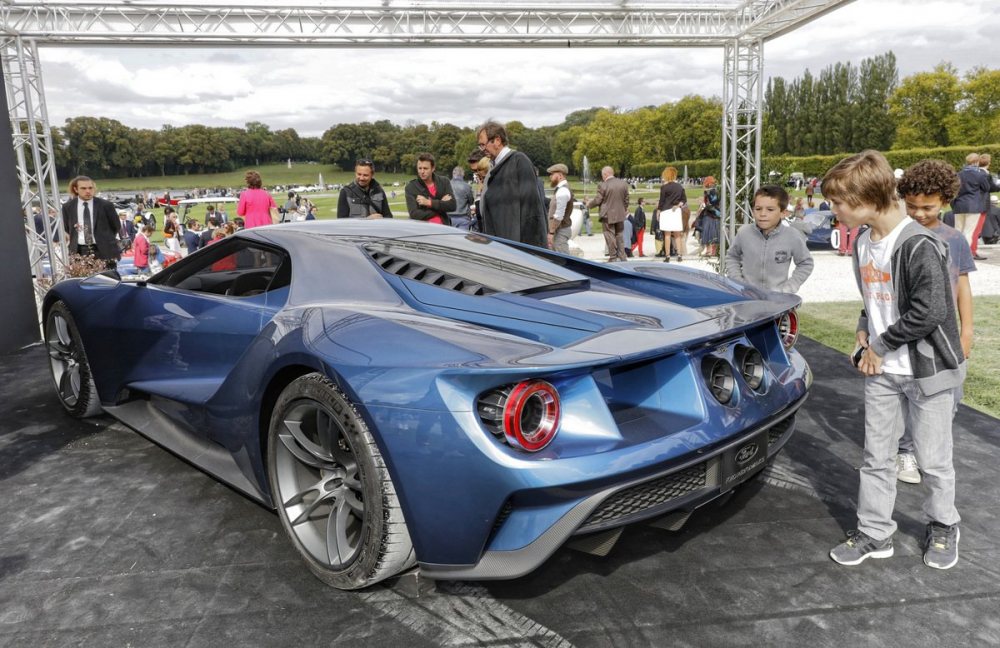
907, 469
860, 546
941, 546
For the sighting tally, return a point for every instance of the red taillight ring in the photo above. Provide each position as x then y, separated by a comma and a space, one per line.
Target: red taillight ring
544, 430
788, 328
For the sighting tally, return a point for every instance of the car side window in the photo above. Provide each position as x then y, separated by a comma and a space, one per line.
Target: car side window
235, 268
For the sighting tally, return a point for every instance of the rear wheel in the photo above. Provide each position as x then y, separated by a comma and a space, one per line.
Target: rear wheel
70, 370
331, 488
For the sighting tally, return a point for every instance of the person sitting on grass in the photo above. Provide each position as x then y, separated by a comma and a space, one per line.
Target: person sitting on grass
910, 353
762, 251
926, 187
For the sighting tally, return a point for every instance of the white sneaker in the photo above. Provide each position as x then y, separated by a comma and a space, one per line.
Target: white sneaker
907, 469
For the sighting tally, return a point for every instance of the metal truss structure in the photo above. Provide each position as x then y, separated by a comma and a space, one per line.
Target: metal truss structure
740, 27
742, 103
35, 155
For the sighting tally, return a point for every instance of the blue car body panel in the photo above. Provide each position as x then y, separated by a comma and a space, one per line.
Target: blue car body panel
624, 348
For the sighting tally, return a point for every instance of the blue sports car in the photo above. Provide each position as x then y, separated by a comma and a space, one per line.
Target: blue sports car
410, 394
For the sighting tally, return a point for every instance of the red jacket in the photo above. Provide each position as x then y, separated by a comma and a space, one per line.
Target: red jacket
140, 248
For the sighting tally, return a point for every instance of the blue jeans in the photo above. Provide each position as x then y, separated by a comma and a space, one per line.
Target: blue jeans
891, 400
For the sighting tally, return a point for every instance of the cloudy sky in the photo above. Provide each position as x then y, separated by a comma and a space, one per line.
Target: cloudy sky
312, 89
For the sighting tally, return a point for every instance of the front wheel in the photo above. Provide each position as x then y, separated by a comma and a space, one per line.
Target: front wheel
333, 493
70, 370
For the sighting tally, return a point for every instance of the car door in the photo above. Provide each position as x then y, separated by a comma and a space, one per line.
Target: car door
180, 335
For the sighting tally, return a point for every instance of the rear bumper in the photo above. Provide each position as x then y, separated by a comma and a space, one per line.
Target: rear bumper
684, 486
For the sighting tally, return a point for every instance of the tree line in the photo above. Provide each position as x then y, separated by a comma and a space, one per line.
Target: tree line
848, 108
844, 109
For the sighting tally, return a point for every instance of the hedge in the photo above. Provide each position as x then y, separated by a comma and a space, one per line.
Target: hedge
817, 165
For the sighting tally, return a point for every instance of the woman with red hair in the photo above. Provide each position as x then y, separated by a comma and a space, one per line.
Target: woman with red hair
670, 213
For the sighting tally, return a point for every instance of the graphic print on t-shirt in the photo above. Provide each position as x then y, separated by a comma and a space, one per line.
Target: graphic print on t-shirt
875, 260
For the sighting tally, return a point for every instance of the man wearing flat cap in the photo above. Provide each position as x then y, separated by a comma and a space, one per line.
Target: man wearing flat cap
560, 209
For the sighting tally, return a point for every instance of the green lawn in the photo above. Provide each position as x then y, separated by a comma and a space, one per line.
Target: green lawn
833, 324
273, 174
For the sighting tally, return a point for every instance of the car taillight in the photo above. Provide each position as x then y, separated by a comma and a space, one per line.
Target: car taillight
788, 328
531, 415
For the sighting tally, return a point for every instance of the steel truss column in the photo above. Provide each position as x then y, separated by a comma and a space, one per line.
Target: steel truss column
741, 127
35, 154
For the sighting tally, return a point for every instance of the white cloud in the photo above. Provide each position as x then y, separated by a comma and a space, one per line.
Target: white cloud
312, 89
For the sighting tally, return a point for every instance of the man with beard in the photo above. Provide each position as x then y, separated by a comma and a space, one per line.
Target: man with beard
560, 209
428, 196
363, 198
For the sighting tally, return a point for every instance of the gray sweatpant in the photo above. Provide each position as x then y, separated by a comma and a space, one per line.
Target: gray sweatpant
889, 401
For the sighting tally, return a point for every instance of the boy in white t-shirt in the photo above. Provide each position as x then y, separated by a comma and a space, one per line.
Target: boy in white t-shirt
910, 352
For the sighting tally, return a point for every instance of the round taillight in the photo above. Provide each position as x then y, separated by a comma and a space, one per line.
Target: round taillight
531, 415
721, 382
751, 367
788, 328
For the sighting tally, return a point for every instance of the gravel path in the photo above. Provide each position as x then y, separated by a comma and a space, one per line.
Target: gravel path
831, 280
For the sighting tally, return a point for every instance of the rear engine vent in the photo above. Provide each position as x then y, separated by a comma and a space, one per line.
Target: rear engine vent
751, 365
423, 274
490, 407
719, 376
779, 429
646, 498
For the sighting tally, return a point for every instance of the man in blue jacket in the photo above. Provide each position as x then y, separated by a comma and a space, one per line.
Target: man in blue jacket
972, 199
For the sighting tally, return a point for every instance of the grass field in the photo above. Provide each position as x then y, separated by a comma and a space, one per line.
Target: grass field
833, 324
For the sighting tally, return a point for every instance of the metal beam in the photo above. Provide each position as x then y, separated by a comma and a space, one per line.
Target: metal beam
386, 24
770, 19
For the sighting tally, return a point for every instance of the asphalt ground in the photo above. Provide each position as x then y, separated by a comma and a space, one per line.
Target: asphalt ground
109, 540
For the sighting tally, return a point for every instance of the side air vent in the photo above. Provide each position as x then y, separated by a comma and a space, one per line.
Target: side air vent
423, 274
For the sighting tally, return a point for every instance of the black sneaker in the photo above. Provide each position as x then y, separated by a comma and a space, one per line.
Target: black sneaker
860, 546
941, 546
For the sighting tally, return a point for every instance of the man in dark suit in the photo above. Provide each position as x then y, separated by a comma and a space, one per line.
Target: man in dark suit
612, 197
126, 228
510, 206
91, 223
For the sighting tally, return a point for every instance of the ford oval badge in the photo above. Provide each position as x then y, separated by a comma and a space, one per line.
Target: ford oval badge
746, 453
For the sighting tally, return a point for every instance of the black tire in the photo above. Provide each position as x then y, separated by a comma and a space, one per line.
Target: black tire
70, 370
331, 488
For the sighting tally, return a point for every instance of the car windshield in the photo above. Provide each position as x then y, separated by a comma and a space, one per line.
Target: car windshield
476, 258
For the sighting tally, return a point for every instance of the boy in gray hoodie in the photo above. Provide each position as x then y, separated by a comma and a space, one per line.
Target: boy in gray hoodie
762, 252
910, 353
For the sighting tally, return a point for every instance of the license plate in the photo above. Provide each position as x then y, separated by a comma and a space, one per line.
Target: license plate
740, 462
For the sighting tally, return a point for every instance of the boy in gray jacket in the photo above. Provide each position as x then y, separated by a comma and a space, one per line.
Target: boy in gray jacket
762, 252
910, 353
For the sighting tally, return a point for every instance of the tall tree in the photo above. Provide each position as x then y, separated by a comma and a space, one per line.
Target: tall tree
922, 107
977, 120
873, 124
610, 140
